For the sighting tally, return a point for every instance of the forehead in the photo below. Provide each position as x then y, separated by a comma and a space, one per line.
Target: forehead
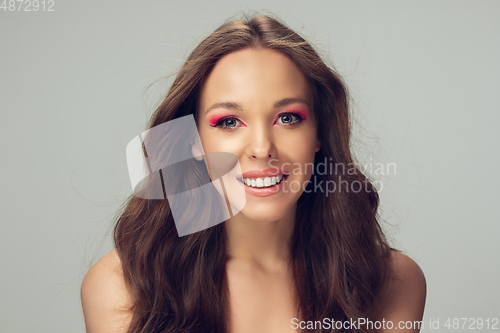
255, 78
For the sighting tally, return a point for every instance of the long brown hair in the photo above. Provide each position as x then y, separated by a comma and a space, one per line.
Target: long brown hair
339, 253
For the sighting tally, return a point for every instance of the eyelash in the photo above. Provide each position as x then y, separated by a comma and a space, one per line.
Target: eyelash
220, 123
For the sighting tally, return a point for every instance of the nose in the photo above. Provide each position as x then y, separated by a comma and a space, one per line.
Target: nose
261, 144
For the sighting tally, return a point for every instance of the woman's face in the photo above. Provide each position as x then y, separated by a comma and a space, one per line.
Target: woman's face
257, 105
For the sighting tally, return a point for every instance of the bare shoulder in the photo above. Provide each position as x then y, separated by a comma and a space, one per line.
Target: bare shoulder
405, 270
403, 296
106, 301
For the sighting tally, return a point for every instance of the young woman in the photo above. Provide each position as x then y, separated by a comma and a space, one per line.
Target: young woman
298, 256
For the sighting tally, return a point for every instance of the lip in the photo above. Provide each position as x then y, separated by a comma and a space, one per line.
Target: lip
262, 173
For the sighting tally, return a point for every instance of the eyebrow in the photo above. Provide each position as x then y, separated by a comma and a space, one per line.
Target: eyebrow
238, 107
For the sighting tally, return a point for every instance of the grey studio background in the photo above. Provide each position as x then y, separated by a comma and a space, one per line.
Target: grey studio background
424, 77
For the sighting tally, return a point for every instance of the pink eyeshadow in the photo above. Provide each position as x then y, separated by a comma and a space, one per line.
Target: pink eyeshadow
302, 113
214, 118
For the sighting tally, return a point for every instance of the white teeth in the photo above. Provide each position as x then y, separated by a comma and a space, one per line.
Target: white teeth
267, 181
262, 182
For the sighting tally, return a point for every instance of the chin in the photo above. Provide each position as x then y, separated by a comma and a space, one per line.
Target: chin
262, 214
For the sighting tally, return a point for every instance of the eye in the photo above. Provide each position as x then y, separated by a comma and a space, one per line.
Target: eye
228, 123
289, 118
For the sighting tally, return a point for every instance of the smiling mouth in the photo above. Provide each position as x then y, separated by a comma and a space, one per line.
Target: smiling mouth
263, 182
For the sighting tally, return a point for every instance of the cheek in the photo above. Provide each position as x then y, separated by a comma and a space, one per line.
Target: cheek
215, 141
299, 147
209, 143
205, 138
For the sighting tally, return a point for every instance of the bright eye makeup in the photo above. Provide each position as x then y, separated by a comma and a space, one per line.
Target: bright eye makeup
289, 118
226, 122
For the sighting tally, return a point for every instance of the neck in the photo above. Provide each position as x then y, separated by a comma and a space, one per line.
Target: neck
262, 243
